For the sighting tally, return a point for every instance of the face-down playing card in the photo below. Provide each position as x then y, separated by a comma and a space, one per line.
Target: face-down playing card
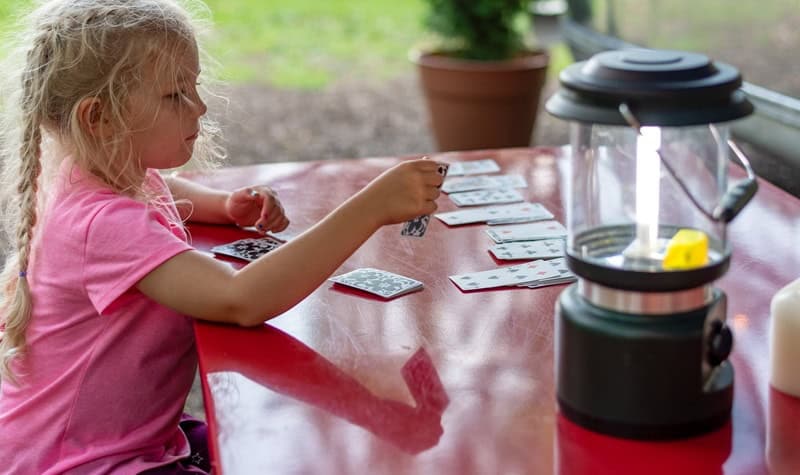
378, 282
248, 249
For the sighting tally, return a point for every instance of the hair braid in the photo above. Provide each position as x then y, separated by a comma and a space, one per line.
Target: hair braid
87, 49
18, 301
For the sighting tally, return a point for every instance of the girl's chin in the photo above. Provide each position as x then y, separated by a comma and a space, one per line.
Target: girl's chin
174, 162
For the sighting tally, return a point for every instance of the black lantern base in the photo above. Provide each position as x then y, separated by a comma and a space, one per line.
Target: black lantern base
639, 376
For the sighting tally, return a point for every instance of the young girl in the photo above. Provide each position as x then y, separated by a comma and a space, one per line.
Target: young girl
100, 281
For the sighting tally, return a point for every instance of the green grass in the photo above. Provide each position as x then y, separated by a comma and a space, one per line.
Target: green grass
303, 43
309, 43
312, 43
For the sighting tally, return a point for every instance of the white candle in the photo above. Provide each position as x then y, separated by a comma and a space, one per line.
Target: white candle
785, 339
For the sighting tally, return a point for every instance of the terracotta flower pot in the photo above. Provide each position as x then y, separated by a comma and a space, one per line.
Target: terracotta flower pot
482, 104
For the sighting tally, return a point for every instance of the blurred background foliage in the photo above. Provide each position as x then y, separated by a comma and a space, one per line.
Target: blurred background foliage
309, 44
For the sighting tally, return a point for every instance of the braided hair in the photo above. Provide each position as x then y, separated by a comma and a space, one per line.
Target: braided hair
77, 50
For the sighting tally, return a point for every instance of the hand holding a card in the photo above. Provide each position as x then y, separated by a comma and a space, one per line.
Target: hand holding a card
257, 206
280, 275
405, 191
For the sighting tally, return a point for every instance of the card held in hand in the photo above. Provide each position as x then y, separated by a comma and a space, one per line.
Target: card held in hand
248, 249
417, 226
378, 282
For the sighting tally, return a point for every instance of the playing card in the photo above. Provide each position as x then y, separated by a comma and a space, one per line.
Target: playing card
486, 197
505, 276
417, 226
565, 275
491, 214
379, 282
474, 167
248, 249
542, 249
527, 232
483, 182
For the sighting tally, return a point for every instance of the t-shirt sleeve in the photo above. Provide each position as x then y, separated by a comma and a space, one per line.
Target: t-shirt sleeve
126, 240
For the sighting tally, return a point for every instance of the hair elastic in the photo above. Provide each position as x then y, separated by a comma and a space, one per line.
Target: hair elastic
23, 274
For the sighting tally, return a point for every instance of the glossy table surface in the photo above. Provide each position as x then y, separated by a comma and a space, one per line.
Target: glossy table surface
445, 382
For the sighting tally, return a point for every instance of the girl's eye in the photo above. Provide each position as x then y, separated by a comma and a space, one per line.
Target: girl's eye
176, 96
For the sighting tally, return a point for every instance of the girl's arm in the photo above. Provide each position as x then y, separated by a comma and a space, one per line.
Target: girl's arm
198, 203
251, 206
202, 287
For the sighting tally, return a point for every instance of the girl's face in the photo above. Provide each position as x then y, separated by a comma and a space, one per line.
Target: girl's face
165, 113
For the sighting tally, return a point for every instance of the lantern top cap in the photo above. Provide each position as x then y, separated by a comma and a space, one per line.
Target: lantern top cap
661, 87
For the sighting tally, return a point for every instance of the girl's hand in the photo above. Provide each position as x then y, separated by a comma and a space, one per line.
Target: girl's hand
257, 206
403, 192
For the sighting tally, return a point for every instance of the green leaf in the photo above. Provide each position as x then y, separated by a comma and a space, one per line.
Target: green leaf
480, 29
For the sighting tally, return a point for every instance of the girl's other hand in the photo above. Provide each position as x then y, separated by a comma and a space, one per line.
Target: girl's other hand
257, 206
403, 192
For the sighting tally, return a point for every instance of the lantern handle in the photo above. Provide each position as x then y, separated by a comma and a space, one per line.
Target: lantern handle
734, 199
738, 195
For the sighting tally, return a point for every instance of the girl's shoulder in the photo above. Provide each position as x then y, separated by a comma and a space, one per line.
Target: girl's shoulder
81, 195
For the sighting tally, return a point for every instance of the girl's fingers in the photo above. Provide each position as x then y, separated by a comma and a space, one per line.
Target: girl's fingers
271, 216
272, 221
283, 225
246, 195
275, 224
432, 193
257, 206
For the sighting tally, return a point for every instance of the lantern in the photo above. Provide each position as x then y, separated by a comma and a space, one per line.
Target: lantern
642, 343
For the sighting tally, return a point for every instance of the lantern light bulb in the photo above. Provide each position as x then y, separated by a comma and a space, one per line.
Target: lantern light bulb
648, 190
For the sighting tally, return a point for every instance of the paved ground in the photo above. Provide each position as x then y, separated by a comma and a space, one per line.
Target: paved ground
350, 119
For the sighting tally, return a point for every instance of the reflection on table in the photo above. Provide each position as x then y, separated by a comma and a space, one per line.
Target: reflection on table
447, 382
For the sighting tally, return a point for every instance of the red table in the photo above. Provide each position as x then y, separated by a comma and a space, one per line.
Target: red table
445, 382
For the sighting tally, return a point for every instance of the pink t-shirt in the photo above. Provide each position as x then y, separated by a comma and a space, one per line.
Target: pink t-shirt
108, 369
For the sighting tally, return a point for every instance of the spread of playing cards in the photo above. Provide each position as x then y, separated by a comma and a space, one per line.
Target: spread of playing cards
519, 230
513, 228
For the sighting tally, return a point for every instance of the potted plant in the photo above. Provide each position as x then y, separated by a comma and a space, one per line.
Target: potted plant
482, 79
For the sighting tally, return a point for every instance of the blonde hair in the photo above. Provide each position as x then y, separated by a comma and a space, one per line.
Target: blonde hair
77, 50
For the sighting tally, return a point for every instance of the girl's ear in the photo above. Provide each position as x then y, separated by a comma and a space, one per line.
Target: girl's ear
92, 117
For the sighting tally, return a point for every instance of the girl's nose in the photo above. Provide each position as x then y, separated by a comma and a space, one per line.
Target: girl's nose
201, 107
